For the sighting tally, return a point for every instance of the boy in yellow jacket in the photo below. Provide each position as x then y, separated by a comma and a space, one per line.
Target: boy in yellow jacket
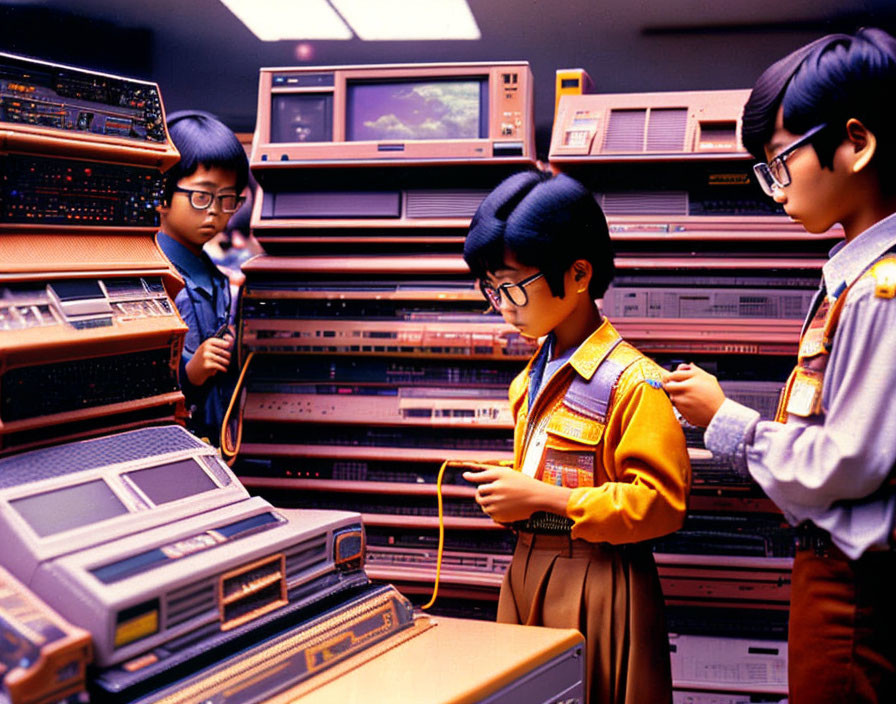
600, 462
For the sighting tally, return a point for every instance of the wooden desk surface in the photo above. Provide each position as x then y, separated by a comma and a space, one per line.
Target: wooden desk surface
449, 661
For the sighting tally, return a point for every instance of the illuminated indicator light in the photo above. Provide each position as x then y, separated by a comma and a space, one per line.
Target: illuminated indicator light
136, 628
141, 662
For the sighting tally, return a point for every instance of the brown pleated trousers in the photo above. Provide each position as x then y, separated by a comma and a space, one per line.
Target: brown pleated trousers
842, 639
612, 595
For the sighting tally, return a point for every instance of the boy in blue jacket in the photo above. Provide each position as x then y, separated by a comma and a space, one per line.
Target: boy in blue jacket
202, 191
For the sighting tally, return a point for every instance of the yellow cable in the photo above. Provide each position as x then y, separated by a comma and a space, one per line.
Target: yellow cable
478, 466
435, 588
225, 449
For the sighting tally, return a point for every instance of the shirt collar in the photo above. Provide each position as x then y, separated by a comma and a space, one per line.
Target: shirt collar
588, 356
197, 270
849, 260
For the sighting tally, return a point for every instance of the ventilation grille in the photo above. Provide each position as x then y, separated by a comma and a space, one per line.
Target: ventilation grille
252, 591
655, 130
189, 602
304, 557
625, 132
667, 129
644, 203
443, 204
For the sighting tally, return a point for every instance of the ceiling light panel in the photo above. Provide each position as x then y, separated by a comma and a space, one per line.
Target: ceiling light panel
409, 20
275, 20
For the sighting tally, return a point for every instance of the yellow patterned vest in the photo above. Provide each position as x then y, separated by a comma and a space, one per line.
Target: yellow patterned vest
802, 393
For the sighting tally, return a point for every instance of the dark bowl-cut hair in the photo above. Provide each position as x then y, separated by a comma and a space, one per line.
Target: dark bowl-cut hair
201, 138
545, 222
828, 81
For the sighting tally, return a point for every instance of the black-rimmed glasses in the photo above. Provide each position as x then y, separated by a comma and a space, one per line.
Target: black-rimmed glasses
775, 173
202, 200
515, 293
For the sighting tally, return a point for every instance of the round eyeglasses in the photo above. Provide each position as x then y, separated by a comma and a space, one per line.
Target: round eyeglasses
202, 200
515, 293
775, 173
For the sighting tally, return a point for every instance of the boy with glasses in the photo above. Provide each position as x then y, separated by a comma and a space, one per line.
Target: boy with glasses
600, 463
202, 191
821, 122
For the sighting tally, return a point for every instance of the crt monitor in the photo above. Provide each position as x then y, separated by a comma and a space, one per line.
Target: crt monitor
387, 110
428, 112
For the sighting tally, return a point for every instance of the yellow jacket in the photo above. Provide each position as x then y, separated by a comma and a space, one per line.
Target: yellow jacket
631, 473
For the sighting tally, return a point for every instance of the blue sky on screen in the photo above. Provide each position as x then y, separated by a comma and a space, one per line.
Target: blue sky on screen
415, 110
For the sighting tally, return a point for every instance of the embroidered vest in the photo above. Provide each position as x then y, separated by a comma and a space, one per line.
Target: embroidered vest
802, 393
580, 416
590, 402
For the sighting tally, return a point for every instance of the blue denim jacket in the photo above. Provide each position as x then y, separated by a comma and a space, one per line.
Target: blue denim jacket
204, 305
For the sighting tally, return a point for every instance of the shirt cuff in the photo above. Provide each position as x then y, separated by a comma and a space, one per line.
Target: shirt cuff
729, 432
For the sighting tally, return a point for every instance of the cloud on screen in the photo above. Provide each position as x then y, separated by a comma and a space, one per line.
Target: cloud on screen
430, 111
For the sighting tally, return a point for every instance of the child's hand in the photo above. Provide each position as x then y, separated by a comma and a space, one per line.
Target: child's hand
211, 357
507, 495
695, 392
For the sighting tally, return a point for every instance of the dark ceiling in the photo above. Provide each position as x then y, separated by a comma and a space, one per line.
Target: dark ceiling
202, 57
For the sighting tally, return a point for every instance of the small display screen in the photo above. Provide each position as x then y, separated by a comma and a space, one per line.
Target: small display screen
173, 481
306, 117
77, 289
71, 507
417, 110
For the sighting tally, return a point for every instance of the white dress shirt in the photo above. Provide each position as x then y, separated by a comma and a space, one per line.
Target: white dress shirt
831, 469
